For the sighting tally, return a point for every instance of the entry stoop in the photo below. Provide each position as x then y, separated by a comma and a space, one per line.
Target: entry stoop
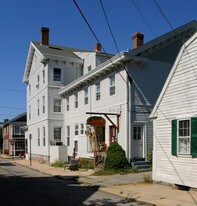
140, 164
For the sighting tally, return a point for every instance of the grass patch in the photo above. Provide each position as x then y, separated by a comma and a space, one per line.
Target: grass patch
57, 164
148, 179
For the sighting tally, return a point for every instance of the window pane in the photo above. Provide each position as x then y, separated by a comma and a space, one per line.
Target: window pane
184, 129
56, 74
184, 145
57, 133
57, 105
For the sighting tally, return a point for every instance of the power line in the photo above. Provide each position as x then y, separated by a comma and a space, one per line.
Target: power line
109, 26
12, 90
146, 22
97, 39
115, 43
12, 108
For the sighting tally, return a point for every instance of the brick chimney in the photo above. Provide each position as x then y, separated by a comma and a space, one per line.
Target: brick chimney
97, 47
44, 36
137, 39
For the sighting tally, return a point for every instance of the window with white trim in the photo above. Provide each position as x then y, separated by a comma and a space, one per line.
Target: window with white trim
76, 146
82, 128
38, 82
76, 100
67, 104
57, 74
68, 135
38, 107
137, 132
98, 90
184, 137
44, 136
112, 85
43, 104
29, 111
38, 136
76, 129
43, 76
86, 96
57, 105
57, 133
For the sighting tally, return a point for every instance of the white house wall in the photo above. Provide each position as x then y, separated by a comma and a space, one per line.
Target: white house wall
178, 101
107, 104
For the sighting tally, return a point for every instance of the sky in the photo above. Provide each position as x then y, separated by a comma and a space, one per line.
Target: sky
21, 20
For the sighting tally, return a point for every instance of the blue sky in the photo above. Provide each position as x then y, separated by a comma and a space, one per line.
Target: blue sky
21, 21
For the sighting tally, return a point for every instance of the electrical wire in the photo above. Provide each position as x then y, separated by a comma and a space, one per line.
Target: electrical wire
146, 22
98, 40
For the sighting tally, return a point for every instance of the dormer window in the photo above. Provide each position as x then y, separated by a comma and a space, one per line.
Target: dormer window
57, 74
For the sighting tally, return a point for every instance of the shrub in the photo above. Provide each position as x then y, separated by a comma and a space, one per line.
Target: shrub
150, 156
84, 163
116, 159
57, 164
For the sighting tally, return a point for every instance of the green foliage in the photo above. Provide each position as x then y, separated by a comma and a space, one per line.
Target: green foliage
116, 159
84, 163
148, 179
150, 156
57, 164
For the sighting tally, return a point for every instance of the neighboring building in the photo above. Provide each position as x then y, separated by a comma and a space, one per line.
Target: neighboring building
175, 122
102, 106
14, 135
1, 137
49, 68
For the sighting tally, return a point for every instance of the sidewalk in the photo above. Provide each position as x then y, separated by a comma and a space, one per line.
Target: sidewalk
131, 186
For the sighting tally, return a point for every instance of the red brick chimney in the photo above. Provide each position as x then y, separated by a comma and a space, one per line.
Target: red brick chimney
44, 36
137, 39
97, 47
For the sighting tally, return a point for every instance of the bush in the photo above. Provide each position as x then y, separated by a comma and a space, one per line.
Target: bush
116, 159
57, 164
84, 163
150, 156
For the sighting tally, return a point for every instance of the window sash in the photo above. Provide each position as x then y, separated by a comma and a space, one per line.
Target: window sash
76, 100
57, 105
98, 87
56, 74
112, 85
76, 129
57, 133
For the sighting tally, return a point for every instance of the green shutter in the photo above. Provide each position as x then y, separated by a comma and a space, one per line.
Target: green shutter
194, 136
174, 137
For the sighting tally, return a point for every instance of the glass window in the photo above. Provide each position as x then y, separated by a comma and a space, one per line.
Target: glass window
98, 92
44, 138
76, 129
68, 135
29, 111
17, 130
137, 132
43, 76
38, 105
86, 96
76, 145
57, 74
43, 104
82, 128
89, 68
38, 136
184, 136
76, 100
57, 105
38, 82
67, 104
112, 85
57, 133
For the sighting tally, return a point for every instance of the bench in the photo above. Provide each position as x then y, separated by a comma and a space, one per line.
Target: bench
72, 165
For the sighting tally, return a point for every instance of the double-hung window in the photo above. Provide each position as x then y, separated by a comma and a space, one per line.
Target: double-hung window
184, 137
44, 136
76, 100
112, 85
57, 133
76, 129
57, 105
82, 128
98, 90
38, 107
68, 135
86, 96
57, 74
67, 104
43, 76
38, 136
43, 104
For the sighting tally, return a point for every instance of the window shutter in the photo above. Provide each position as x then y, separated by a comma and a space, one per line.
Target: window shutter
194, 136
174, 137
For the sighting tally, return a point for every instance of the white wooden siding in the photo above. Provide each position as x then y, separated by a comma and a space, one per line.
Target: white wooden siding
179, 100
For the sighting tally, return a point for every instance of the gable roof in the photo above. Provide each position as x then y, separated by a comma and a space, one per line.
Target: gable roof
50, 51
137, 55
173, 70
20, 118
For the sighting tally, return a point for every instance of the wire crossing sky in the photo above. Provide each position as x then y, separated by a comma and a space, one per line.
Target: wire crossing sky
21, 23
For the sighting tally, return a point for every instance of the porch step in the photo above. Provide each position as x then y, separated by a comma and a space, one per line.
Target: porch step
140, 164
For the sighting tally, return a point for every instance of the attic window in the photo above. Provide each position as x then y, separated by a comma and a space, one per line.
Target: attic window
56, 48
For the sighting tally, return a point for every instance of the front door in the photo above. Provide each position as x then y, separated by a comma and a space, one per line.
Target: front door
137, 141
